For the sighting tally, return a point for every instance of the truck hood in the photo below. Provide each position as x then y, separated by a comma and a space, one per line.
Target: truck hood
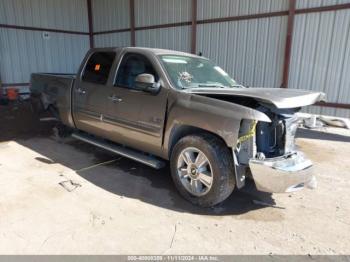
279, 97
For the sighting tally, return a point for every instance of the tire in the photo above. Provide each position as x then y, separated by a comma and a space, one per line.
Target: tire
37, 106
192, 180
61, 131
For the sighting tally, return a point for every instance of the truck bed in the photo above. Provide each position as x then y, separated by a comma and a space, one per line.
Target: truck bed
54, 89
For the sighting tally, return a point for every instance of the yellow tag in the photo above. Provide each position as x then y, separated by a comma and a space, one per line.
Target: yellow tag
250, 133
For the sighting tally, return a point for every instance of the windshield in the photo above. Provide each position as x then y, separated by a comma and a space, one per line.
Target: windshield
193, 72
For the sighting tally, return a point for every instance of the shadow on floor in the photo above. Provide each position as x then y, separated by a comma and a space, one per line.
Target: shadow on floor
124, 178
127, 178
17, 120
321, 135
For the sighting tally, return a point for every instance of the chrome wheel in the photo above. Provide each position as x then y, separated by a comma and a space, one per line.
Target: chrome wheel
194, 171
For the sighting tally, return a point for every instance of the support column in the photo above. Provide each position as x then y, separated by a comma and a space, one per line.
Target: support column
288, 47
90, 19
132, 23
194, 26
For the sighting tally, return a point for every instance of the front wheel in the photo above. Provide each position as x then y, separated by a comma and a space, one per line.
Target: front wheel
202, 169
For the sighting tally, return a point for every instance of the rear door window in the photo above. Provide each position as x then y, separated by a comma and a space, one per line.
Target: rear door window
98, 67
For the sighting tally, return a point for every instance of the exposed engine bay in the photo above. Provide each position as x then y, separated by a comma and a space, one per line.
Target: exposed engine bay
264, 139
269, 142
276, 138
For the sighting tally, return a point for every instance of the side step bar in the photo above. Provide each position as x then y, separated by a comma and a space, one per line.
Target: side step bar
123, 151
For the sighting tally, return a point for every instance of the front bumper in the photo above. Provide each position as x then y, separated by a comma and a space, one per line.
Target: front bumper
283, 174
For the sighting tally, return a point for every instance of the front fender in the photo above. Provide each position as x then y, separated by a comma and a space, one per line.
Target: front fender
216, 116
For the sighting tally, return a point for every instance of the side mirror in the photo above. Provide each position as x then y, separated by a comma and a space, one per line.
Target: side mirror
147, 83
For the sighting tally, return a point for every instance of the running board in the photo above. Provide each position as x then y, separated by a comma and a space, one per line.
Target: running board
120, 150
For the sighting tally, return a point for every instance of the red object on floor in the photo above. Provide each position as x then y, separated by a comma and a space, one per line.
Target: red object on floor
12, 94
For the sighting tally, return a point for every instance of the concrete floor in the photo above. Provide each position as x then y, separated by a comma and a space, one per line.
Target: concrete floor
56, 198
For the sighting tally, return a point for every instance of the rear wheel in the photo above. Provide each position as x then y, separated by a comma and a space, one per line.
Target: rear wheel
37, 105
60, 131
202, 169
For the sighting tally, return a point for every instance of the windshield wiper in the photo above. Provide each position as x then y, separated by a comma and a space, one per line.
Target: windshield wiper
238, 86
211, 85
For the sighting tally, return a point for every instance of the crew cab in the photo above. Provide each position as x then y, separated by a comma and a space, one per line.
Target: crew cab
154, 105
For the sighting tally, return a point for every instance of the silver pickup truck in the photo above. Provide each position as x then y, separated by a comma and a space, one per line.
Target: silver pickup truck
155, 105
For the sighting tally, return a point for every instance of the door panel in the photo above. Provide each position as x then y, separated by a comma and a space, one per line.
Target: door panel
90, 94
90, 104
137, 118
137, 121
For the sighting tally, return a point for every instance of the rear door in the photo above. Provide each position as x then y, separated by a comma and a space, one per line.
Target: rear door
136, 118
90, 94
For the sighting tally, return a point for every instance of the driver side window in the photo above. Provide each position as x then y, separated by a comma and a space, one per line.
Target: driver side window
131, 66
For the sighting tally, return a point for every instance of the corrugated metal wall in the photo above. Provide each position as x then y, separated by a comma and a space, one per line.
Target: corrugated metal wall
321, 57
251, 51
111, 15
174, 38
157, 12
23, 52
223, 8
113, 40
243, 48
318, 3
62, 14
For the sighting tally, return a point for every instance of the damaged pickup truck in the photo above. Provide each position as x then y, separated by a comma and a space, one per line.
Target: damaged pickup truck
155, 105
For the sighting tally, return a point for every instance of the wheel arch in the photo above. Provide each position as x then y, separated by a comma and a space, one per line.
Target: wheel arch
182, 131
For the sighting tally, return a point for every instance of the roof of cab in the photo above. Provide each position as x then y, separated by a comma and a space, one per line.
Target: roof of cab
155, 51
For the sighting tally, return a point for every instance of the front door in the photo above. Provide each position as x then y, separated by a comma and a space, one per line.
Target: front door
136, 117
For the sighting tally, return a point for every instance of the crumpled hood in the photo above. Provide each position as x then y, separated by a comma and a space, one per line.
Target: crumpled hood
280, 97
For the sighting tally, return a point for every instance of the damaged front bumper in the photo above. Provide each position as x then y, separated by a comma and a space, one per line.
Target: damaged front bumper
283, 174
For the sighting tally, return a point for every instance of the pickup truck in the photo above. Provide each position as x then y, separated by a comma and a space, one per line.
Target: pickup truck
154, 105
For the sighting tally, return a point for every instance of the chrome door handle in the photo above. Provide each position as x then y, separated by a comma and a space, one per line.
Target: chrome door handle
81, 91
114, 98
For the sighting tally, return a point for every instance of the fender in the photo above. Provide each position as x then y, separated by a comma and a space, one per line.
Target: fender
216, 116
